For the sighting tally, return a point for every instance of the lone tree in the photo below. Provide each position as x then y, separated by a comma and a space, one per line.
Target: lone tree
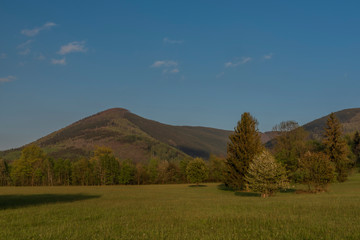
244, 145
316, 171
197, 171
265, 175
336, 147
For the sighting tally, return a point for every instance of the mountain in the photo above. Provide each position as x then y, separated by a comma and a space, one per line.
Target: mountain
349, 118
131, 137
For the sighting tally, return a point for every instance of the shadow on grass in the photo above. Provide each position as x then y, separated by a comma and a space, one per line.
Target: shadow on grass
289, 190
247, 194
197, 185
223, 187
18, 201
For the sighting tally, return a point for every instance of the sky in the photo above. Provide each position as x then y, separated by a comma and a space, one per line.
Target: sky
198, 63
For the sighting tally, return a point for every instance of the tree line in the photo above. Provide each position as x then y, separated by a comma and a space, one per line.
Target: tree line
293, 157
249, 165
36, 168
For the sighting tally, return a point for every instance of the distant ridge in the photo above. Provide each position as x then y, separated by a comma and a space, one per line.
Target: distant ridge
131, 137
139, 139
349, 118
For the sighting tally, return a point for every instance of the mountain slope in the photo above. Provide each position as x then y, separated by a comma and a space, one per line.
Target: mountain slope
195, 141
349, 118
139, 139
131, 137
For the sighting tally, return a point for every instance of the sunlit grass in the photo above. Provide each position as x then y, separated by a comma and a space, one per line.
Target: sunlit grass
177, 212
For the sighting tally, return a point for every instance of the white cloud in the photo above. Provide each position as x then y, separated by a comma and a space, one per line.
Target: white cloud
3, 56
171, 71
39, 56
235, 64
176, 70
58, 61
268, 56
172, 41
168, 66
25, 47
7, 79
25, 44
26, 51
35, 31
220, 75
72, 47
164, 63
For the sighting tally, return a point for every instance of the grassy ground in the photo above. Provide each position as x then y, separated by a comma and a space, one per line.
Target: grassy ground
177, 212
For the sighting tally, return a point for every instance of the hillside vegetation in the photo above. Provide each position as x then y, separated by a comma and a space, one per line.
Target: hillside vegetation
139, 139
130, 137
349, 118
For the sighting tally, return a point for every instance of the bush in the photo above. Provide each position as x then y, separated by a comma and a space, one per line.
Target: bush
196, 171
316, 170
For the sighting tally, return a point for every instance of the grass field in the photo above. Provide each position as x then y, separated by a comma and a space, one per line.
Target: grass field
177, 212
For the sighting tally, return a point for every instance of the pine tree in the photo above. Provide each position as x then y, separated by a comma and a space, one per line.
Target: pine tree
244, 145
265, 175
336, 147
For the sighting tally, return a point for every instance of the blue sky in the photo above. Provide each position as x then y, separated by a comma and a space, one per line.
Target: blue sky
200, 63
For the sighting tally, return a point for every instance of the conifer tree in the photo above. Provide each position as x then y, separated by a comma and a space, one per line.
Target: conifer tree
336, 147
244, 145
265, 175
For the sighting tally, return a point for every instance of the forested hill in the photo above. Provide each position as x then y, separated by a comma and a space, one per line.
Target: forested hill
131, 137
136, 138
349, 118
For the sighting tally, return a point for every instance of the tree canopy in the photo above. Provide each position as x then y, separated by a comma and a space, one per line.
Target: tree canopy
244, 145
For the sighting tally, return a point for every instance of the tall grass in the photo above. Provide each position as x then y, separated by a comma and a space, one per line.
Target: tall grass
177, 212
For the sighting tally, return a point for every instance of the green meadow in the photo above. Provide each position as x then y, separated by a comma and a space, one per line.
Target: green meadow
177, 211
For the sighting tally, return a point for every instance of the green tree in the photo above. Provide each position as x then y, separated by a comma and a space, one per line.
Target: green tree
172, 173
141, 175
265, 175
290, 144
197, 171
244, 145
356, 147
4, 173
152, 170
216, 168
127, 172
336, 147
182, 168
316, 171
62, 172
27, 170
106, 166
82, 173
